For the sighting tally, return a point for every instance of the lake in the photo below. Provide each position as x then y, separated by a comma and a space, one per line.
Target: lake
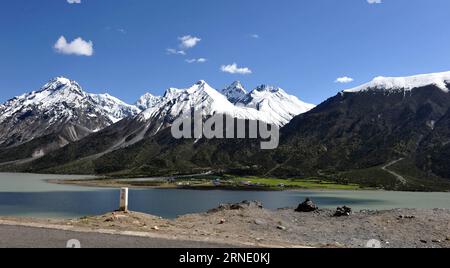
30, 195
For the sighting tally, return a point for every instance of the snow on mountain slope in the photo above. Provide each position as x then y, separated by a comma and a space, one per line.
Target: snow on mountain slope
54, 95
441, 80
114, 108
148, 101
200, 97
275, 103
274, 107
60, 107
64, 111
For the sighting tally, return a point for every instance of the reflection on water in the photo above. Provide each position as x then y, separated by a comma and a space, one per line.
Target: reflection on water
29, 195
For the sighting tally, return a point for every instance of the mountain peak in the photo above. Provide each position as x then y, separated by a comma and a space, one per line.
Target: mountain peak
201, 82
172, 92
275, 102
202, 87
113, 108
62, 107
60, 79
147, 101
235, 92
62, 84
440, 80
199, 87
237, 84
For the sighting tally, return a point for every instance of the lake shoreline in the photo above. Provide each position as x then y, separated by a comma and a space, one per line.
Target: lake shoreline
119, 183
248, 224
32, 195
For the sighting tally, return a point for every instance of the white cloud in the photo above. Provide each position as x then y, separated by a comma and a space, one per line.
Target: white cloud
76, 47
74, 1
234, 69
172, 51
189, 41
186, 42
199, 60
344, 80
374, 1
256, 36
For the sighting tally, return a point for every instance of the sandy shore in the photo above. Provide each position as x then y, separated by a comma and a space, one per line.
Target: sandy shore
247, 224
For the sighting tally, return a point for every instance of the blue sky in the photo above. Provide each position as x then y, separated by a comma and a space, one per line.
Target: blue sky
302, 46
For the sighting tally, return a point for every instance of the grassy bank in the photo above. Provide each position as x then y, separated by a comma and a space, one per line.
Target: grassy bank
296, 183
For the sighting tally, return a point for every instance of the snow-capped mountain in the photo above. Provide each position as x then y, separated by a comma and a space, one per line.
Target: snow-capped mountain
275, 103
61, 113
235, 92
265, 104
387, 119
61, 108
114, 108
278, 106
200, 97
389, 84
151, 128
274, 106
148, 101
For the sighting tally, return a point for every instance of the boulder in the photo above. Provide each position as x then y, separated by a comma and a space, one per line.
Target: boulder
259, 222
343, 212
408, 217
246, 204
238, 206
307, 206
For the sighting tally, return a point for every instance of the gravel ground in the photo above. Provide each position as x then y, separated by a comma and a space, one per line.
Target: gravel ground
251, 225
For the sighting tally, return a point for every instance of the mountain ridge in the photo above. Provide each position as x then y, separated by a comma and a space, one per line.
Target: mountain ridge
92, 113
201, 96
407, 83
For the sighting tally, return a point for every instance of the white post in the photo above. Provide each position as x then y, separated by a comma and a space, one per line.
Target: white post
123, 199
